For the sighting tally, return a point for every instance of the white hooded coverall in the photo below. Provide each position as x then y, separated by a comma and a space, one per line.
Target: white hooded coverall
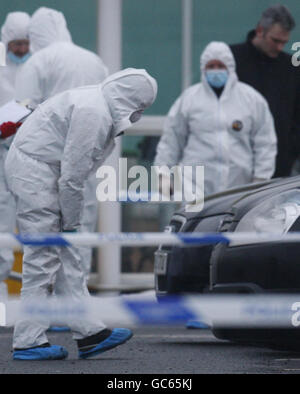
232, 136
57, 65
60, 144
15, 27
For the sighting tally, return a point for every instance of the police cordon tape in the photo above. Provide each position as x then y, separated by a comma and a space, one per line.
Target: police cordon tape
255, 311
251, 311
8, 240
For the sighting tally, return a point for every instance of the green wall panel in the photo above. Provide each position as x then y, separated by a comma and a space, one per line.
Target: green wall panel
152, 40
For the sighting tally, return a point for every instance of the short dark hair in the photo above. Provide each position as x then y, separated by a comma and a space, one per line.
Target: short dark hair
277, 14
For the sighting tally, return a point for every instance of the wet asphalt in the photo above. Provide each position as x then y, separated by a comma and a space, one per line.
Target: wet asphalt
157, 350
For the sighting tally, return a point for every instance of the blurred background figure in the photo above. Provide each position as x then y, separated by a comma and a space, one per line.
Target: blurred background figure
222, 124
57, 64
14, 35
262, 63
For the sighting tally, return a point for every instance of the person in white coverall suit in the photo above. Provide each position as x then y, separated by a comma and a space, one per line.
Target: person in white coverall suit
57, 65
54, 151
14, 35
221, 124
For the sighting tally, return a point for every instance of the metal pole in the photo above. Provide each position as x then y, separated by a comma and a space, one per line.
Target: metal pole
110, 50
187, 41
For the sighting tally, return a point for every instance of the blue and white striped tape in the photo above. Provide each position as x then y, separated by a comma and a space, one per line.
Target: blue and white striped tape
256, 311
142, 239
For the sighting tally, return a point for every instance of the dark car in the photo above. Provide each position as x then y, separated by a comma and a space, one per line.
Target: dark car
244, 268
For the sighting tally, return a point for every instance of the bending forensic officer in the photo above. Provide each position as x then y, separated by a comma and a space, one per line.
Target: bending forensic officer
55, 150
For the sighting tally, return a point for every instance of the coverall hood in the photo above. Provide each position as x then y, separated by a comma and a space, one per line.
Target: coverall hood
15, 27
47, 26
220, 51
127, 92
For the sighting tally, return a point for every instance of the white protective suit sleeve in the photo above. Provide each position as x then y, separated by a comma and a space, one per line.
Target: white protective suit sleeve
264, 141
174, 137
77, 164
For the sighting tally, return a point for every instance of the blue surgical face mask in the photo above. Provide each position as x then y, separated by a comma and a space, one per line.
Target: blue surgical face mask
17, 59
217, 78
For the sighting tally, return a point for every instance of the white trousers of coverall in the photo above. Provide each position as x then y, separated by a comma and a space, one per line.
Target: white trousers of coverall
7, 222
89, 219
35, 187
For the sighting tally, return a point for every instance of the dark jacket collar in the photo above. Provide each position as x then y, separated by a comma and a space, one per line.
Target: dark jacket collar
257, 52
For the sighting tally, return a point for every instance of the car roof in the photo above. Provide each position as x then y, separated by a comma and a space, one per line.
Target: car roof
224, 202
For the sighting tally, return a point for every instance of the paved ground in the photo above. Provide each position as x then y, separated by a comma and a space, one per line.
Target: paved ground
157, 350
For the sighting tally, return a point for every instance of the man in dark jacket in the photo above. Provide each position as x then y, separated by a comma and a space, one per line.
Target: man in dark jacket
261, 63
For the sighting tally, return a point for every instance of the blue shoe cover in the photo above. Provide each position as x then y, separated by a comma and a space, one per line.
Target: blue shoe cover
53, 352
116, 338
58, 329
196, 324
